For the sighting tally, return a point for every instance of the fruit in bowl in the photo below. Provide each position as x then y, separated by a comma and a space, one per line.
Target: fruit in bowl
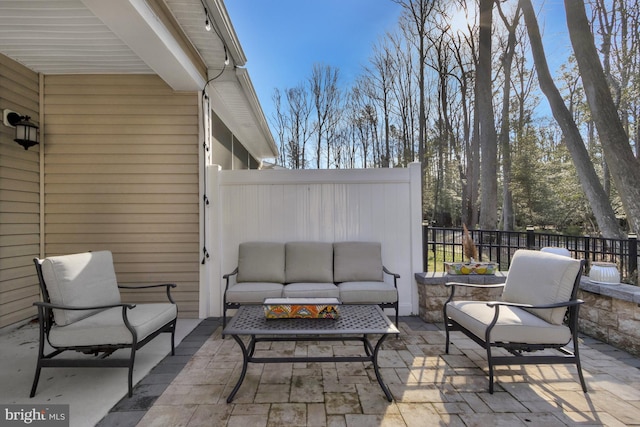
466, 268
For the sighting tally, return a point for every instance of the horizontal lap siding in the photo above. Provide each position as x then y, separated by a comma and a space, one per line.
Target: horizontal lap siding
19, 198
121, 173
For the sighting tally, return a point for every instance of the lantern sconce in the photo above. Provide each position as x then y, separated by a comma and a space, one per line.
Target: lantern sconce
27, 133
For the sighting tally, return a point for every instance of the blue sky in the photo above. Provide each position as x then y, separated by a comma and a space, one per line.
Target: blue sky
282, 39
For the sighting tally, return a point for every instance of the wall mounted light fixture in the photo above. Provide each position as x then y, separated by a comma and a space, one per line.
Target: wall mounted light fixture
27, 133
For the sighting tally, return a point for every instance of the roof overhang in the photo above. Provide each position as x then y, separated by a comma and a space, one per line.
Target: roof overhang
163, 37
234, 100
142, 29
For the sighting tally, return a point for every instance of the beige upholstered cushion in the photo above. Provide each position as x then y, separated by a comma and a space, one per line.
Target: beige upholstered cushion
367, 293
261, 262
107, 327
85, 279
309, 262
539, 278
514, 324
357, 261
310, 290
253, 292
556, 250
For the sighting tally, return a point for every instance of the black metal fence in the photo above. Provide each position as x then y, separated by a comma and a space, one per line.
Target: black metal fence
445, 244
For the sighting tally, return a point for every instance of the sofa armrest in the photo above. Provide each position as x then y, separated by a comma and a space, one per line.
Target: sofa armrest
228, 276
395, 276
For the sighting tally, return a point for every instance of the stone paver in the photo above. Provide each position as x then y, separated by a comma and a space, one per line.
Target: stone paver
429, 387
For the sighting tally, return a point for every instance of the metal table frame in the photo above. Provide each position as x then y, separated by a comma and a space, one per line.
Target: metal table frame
355, 323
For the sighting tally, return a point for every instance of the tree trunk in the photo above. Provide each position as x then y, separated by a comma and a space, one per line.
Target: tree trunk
488, 137
623, 166
508, 216
600, 205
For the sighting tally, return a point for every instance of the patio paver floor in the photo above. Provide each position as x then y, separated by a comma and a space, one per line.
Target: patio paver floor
429, 387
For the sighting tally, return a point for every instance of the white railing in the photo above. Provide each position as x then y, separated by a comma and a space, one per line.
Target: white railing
327, 205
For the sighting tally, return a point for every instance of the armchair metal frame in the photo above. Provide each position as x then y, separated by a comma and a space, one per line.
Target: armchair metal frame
101, 352
518, 349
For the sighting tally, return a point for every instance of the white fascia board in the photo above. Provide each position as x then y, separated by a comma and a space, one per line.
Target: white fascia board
137, 25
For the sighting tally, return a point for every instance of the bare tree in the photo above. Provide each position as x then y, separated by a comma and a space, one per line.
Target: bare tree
380, 74
488, 137
326, 98
624, 166
280, 122
417, 12
403, 90
465, 62
442, 64
508, 215
588, 178
299, 127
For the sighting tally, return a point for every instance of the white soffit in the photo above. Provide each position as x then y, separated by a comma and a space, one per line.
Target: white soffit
137, 25
234, 100
63, 37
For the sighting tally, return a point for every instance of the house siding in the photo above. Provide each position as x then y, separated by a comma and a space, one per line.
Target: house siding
121, 174
19, 197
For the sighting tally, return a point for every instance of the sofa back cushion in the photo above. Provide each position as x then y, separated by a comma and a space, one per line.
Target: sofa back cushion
261, 262
357, 261
309, 262
85, 279
540, 278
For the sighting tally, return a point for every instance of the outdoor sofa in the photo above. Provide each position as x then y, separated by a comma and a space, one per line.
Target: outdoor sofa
350, 271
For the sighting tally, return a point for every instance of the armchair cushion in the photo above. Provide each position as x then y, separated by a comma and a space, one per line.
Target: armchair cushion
261, 262
539, 278
85, 279
357, 261
309, 262
107, 327
514, 324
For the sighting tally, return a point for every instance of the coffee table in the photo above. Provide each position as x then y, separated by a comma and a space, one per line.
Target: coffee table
355, 323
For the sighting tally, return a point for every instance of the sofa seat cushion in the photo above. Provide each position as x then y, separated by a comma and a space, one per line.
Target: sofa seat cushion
311, 290
80, 280
309, 262
107, 327
367, 292
261, 262
253, 292
357, 261
514, 324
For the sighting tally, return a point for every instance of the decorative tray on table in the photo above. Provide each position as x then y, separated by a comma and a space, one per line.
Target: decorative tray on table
301, 308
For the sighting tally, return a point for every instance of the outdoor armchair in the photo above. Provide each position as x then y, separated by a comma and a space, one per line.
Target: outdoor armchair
538, 311
81, 311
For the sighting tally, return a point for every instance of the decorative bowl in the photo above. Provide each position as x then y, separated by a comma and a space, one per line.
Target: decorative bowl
465, 268
301, 308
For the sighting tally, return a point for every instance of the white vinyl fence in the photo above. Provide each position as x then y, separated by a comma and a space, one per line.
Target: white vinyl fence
325, 205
